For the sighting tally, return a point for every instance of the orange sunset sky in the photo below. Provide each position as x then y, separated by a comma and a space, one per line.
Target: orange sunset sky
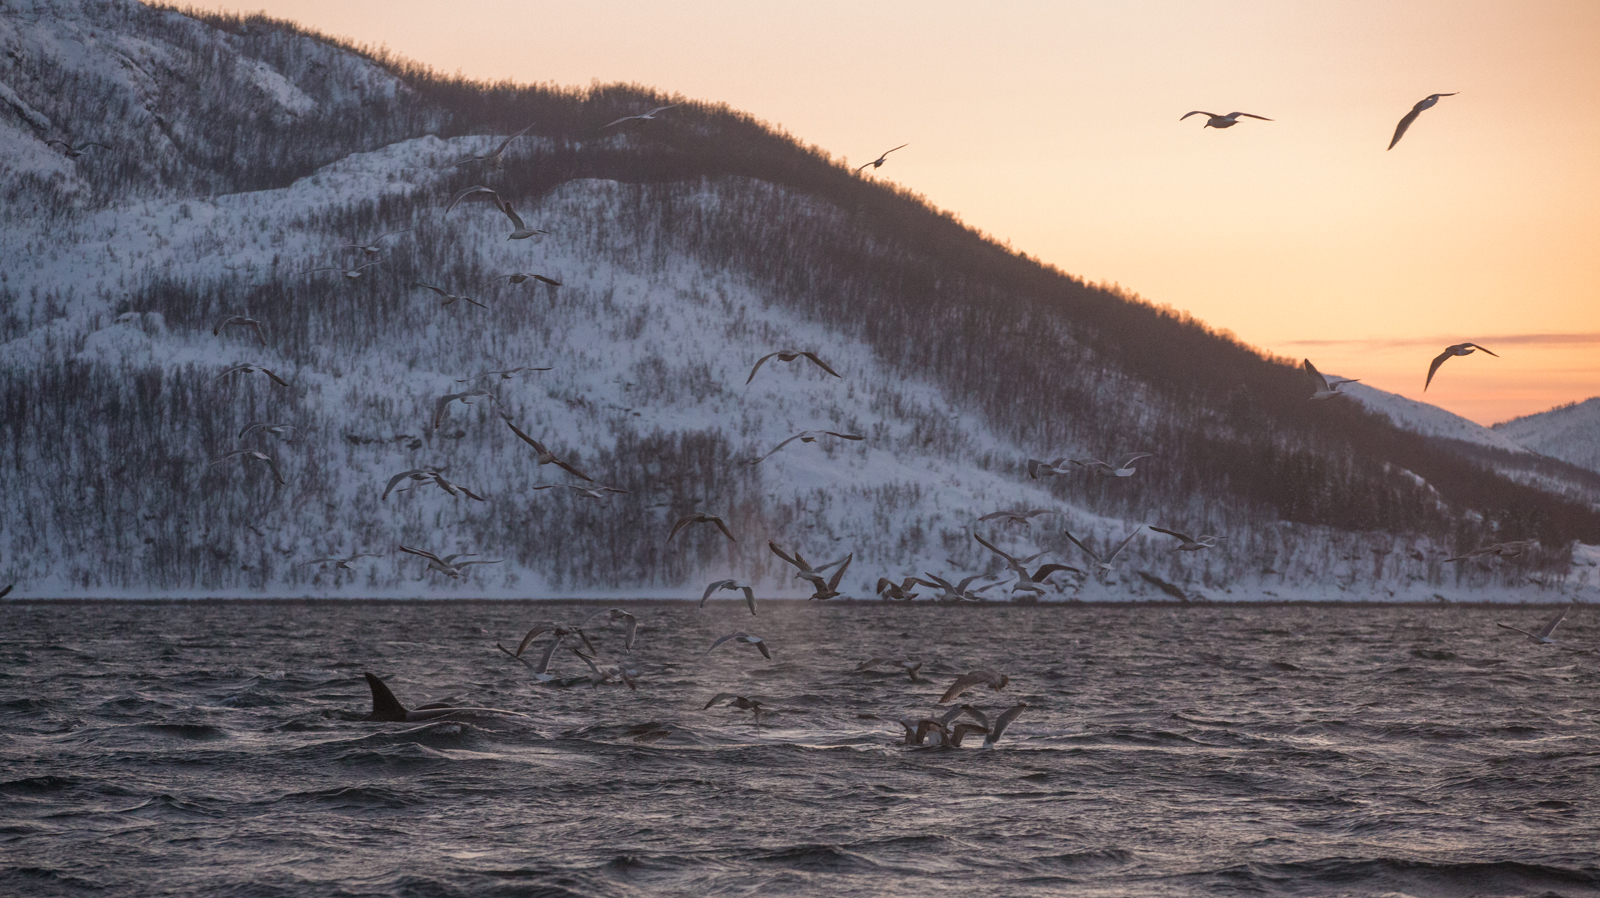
1054, 126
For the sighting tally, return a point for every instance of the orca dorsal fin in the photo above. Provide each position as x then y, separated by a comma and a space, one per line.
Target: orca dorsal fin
384, 705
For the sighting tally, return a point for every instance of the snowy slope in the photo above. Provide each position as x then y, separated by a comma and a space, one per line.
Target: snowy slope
1430, 420
110, 373
1570, 433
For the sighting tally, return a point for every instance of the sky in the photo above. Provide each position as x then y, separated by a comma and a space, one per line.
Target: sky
1054, 127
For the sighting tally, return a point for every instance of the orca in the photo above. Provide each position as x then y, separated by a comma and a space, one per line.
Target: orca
385, 707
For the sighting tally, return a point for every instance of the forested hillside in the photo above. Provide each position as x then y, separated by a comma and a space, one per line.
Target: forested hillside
242, 155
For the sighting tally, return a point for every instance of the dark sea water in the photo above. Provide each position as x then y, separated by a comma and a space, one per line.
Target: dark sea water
219, 749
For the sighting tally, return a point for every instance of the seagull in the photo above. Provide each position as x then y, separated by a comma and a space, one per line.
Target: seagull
737, 701
493, 156
975, 678
441, 405
615, 614
1123, 468
1457, 349
731, 586
372, 248
546, 457
74, 151
350, 273
830, 590
643, 116
1037, 468
521, 232
274, 429
957, 592
1222, 121
807, 572
507, 374
789, 355
342, 564
519, 277
1105, 563
241, 321
1001, 722
454, 489
917, 731
447, 297
447, 565
1511, 549
700, 517
1326, 389
251, 369
808, 436
249, 454
878, 162
627, 673
541, 670
901, 592
977, 715
549, 626
1543, 636
1191, 544
1423, 104
1025, 581
1020, 516
745, 638
906, 664
595, 492
421, 475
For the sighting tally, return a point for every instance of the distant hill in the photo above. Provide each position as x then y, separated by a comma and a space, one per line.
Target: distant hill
244, 154
1569, 432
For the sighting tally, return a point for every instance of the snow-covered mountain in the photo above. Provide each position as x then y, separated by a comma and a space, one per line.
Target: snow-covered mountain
1570, 433
244, 164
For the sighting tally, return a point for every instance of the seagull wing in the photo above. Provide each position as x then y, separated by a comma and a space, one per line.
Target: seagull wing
507, 142
719, 697
844, 436
470, 191
720, 584
1476, 346
1003, 721
1517, 629
780, 446
721, 641
1086, 550
1183, 536
428, 555
683, 522
1122, 545
778, 551
1043, 573
759, 362
1248, 115
833, 582
1400, 129
544, 660
1434, 366
723, 527
820, 363
274, 466
1552, 623
579, 474
275, 378
991, 547
1312, 370
963, 683
1197, 112
749, 598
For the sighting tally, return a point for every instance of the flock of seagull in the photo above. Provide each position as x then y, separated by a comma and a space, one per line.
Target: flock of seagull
947, 728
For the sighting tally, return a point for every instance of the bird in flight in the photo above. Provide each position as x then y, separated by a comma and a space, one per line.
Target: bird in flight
521, 232
807, 436
731, 586
1512, 549
546, 457
247, 454
1123, 468
903, 591
441, 406
240, 321
1326, 389
72, 151
371, 247
745, 638
342, 564
812, 575
737, 701
700, 517
1104, 564
1037, 468
594, 492
446, 298
447, 565
878, 162
349, 273
1191, 543
251, 369
643, 116
505, 374
1020, 516
519, 277
1422, 105
1450, 351
274, 429
1222, 121
630, 623
493, 156
1543, 635
970, 680
789, 355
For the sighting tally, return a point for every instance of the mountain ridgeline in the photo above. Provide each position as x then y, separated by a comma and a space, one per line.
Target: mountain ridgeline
244, 153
